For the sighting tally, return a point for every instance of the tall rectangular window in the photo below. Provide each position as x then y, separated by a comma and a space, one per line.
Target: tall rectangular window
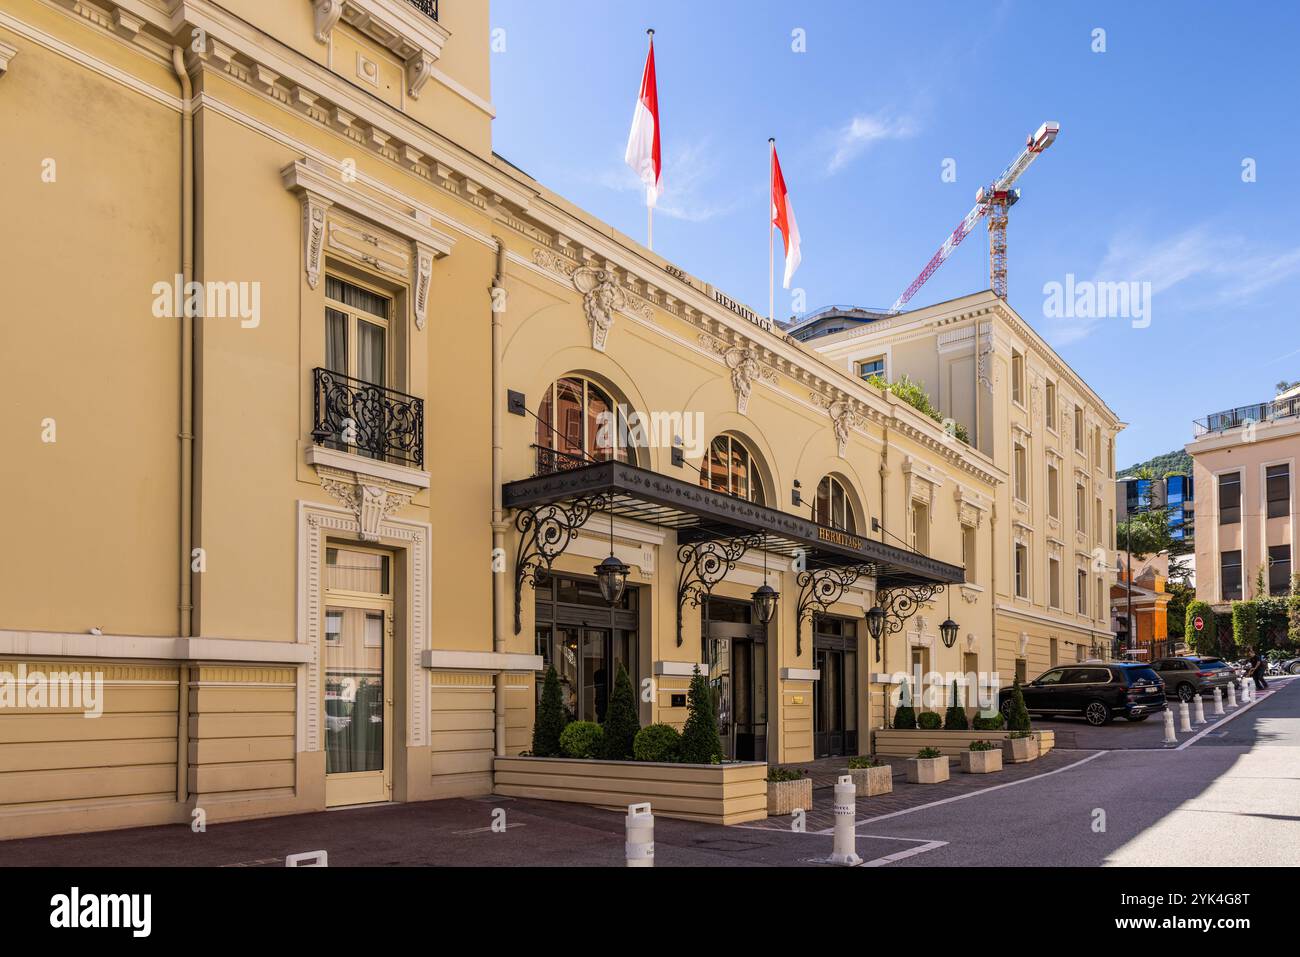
1081, 508
1018, 378
1078, 428
1082, 578
1110, 457
1053, 491
968, 551
1054, 582
1022, 571
1230, 499
1019, 475
1278, 482
1230, 576
920, 528
1279, 570
1096, 520
1051, 406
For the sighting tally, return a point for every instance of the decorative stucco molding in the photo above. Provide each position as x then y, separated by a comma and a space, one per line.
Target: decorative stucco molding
370, 499
601, 297
335, 214
7, 53
746, 367
413, 37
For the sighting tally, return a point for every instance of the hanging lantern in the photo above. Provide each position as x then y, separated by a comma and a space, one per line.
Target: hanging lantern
948, 632
875, 621
611, 574
765, 603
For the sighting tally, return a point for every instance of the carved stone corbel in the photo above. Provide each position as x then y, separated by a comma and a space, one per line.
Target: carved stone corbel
313, 235
370, 500
327, 16
7, 53
418, 70
420, 285
841, 413
601, 297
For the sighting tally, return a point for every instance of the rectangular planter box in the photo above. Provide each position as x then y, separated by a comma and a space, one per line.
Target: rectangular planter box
927, 770
714, 793
872, 781
905, 744
981, 762
786, 797
1020, 750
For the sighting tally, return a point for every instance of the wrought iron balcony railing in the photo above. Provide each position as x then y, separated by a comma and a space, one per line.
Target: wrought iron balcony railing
428, 7
551, 461
368, 419
1247, 415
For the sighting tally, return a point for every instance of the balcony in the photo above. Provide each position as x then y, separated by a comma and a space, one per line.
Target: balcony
367, 419
428, 7
1283, 408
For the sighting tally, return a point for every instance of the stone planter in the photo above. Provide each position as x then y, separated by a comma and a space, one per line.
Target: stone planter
893, 743
785, 797
927, 770
1020, 750
872, 781
981, 762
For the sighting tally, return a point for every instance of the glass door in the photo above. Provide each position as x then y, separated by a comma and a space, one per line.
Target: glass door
736, 651
835, 700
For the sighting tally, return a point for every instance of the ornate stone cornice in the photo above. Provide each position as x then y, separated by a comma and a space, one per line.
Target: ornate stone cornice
371, 499
7, 53
412, 37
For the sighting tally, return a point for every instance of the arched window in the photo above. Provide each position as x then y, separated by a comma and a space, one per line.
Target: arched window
833, 506
732, 468
583, 423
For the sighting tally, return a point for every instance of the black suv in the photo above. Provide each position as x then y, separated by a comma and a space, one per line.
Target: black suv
1097, 690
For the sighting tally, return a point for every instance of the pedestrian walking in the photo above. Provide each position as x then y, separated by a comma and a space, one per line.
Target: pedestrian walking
1257, 669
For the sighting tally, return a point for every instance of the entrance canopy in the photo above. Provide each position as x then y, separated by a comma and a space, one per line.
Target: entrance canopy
699, 514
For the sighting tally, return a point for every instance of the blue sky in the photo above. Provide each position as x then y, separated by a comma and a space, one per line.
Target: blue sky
1144, 183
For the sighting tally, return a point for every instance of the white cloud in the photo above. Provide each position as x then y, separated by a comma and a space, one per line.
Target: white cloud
690, 173
864, 130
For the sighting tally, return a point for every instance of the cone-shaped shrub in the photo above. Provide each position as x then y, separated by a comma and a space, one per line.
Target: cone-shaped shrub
550, 720
904, 714
1018, 716
700, 744
955, 719
621, 722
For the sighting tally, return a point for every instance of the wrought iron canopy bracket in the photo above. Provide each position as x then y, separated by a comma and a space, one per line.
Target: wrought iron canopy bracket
704, 564
901, 603
821, 588
545, 531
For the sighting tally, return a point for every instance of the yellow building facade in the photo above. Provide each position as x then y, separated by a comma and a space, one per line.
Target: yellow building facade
333, 413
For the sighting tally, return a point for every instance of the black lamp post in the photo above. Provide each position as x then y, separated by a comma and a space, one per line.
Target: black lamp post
765, 596
611, 574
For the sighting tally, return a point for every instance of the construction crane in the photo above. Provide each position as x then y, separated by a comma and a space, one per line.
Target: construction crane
993, 200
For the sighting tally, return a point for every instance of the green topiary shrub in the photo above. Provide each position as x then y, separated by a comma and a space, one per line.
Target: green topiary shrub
1245, 624
700, 744
955, 719
1018, 717
862, 761
982, 746
929, 753
621, 722
551, 718
993, 723
904, 714
1203, 642
657, 742
929, 721
582, 739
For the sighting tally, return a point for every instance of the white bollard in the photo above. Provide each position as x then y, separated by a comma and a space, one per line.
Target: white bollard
1170, 737
1232, 696
640, 844
1198, 710
1247, 691
1184, 717
308, 859
1218, 701
846, 836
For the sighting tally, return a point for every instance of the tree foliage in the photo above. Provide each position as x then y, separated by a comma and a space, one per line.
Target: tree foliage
621, 721
700, 744
551, 718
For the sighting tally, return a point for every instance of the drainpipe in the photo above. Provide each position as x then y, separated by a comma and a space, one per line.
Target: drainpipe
185, 607
884, 639
497, 303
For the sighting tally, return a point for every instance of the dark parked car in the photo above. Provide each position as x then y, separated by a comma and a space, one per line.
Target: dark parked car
1191, 675
1095, 690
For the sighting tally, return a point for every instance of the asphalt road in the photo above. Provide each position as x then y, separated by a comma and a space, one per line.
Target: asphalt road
1231, 798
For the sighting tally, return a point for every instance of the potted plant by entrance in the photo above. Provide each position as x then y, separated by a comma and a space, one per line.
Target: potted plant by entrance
1019, 747
930, 766
983, 757
788, 790
871, 777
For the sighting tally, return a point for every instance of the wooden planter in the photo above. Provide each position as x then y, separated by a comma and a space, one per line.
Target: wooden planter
872, 781
981, 762
927, 770
1020, 750
904, 744
786, 797
715, 793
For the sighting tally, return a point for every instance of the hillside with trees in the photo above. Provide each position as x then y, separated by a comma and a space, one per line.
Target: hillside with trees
1175, 461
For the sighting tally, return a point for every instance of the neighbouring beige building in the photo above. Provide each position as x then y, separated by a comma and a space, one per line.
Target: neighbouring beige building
1244, 462
990, 374
320, 520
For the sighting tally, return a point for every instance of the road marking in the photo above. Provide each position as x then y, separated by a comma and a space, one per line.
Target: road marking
900, 855
971, 794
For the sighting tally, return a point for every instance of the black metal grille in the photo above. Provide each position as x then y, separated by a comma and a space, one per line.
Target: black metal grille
356, 416
550, 461
428, 7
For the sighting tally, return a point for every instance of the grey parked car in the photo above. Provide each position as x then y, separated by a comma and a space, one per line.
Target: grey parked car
1186, 677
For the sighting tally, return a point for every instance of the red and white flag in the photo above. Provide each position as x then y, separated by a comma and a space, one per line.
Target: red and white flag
643, 142
783, 219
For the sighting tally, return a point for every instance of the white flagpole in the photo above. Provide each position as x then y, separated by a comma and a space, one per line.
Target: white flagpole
649, 207
771, 230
